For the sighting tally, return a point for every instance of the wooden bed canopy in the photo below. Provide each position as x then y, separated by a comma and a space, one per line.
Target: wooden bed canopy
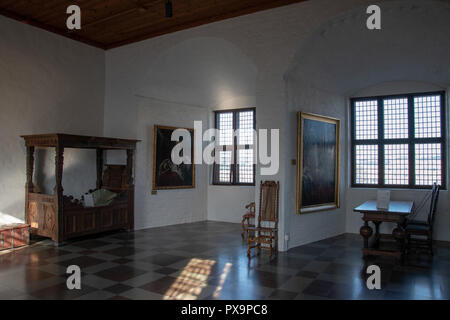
61, 217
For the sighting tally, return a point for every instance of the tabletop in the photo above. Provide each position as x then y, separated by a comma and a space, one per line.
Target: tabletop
397, 207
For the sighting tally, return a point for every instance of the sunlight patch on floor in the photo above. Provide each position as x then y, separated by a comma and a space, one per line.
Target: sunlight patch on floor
223, 277
191, 281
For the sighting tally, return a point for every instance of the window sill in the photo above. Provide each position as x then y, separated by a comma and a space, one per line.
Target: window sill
233, 185
399, 188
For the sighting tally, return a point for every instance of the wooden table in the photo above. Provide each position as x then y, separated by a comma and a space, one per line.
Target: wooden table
396, 213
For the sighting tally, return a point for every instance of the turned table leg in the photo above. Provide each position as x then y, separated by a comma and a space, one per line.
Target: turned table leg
399, 235
366, 231
377, 233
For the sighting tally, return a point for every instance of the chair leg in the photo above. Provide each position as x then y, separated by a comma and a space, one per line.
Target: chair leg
276, 242
243, 228
258, 243
408, 242
271, 245
431, 246
248, 243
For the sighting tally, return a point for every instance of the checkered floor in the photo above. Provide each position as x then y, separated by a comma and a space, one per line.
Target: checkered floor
207, 260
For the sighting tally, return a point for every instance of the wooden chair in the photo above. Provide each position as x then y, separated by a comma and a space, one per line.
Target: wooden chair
419, 234
265, 234
248, 219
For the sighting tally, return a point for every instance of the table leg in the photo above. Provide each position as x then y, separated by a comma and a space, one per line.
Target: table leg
366, 231
377, 233
399, 235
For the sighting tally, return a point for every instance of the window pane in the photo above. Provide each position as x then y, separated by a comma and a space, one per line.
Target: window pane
239, 147
395, 118
245, 161
366, 164
396, 166
225, 167
225, 124
366, 120
245, 125
427, 116
428, 164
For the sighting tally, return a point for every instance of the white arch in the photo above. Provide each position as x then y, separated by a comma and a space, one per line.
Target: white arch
201, 71
343, 56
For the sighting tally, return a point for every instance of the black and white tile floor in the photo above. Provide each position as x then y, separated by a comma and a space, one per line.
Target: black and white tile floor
207, 260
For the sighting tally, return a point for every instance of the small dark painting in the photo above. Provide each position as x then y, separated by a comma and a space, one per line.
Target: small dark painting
318, 163
167, 174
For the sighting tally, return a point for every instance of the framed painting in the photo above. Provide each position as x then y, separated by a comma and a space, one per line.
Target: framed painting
167, 174
318, 163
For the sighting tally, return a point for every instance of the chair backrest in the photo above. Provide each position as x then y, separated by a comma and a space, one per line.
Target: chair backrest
268, 201
433, 203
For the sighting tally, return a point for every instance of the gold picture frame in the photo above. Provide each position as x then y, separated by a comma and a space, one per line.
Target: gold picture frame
318, 163
161, 151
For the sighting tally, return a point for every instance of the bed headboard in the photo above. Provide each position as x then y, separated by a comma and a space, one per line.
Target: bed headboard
115, 178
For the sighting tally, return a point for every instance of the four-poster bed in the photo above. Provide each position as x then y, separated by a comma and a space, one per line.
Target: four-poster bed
61, 217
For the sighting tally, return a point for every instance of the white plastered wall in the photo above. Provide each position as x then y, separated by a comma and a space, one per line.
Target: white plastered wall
48, 84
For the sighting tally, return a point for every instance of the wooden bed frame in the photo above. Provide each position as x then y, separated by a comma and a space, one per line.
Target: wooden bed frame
61, 217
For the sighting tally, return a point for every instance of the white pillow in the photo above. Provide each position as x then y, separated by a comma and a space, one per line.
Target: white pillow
88, 200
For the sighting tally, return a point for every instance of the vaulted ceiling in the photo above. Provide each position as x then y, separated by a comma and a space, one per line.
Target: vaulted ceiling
112, 23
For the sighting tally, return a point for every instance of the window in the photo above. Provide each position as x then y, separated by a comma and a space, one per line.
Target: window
399, 141
235, 147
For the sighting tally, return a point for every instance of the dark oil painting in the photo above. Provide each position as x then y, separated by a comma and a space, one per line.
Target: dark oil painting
166, 174
319, 164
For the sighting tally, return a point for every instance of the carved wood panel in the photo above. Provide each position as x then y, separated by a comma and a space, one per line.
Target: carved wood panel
32, 218
41, 214
121, 216
107, 219
80, 222
89, 222
48, 221
84, 221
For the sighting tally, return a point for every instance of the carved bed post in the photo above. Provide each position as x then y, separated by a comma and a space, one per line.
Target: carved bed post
99, 168
130, 160
130, 177
58, 193
29, 183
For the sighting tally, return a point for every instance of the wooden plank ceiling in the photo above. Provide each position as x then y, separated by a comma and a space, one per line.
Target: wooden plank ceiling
112, 23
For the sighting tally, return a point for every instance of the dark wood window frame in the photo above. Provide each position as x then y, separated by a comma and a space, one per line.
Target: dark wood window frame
411, 141
234, 165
